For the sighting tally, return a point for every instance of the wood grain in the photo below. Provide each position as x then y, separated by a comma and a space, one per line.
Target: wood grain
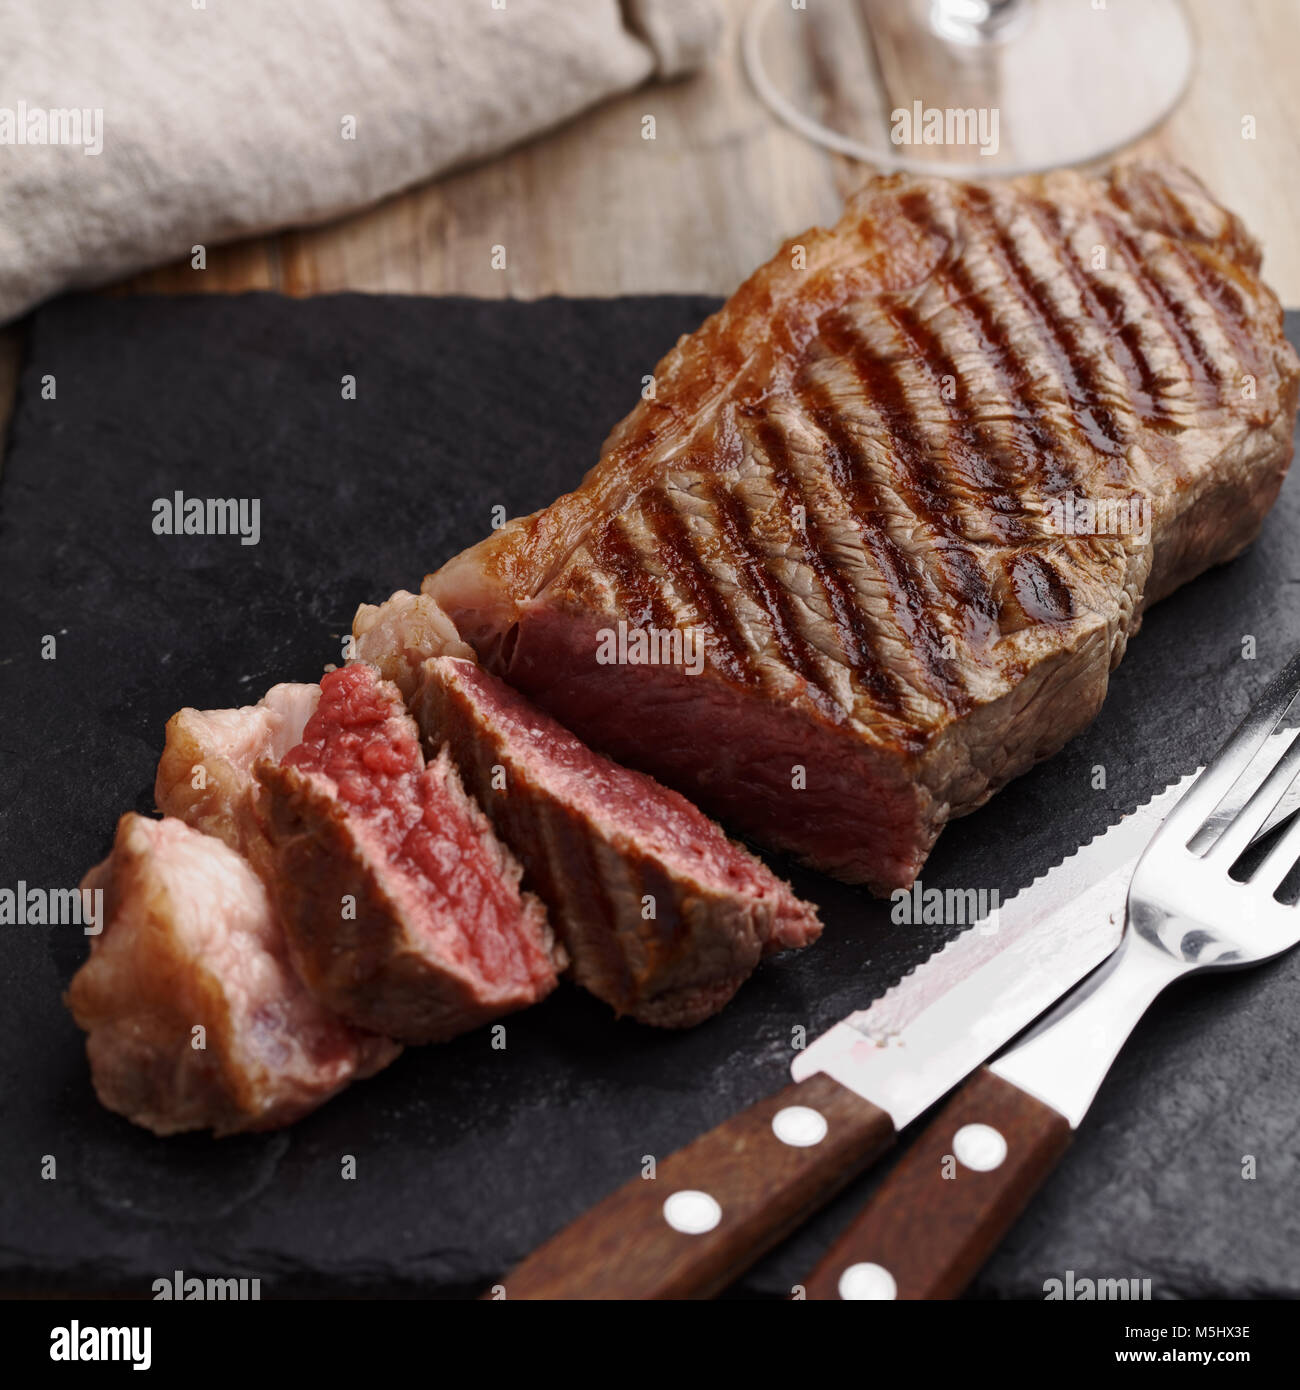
592, 208
934, 1221
624, 1248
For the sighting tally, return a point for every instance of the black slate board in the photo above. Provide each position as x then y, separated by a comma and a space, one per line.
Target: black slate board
468, 1157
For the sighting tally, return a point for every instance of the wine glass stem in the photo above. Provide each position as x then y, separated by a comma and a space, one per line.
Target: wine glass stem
978, 21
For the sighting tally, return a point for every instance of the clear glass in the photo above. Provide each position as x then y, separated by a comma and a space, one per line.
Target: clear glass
970, 88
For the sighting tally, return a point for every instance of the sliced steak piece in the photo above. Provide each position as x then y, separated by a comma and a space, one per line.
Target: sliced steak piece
857, 480
400, 634
401, 907
663, 916
189, 942
217, 749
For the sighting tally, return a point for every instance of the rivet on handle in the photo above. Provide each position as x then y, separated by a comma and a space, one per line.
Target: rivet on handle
692, 1213
979, 1147
867, 1281
800, 1126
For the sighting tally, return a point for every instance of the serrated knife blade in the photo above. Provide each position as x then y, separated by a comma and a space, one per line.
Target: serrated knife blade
918, 1040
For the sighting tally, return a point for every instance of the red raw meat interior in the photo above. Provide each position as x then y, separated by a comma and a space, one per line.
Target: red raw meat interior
415, 818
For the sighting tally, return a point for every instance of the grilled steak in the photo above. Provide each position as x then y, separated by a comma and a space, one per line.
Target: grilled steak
402, 909
217, 749
189, 942
857, 482
401, 633
663, 916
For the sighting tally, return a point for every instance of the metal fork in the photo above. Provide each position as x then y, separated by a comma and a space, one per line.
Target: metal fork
926, 1238
1186, 914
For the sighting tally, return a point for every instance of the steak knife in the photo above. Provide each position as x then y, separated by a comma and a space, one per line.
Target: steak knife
715, 1206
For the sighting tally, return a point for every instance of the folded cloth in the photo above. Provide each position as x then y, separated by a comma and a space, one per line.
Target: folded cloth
131, 133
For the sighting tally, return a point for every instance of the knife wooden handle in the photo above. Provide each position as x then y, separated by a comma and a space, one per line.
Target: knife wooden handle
950, 1199
755, 1177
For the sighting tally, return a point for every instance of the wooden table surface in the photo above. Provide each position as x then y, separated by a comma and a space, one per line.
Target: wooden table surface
594, 209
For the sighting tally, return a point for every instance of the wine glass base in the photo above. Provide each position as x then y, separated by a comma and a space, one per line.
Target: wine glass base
872, 79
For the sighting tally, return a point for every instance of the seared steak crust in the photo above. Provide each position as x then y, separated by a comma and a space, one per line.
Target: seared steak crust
846, 480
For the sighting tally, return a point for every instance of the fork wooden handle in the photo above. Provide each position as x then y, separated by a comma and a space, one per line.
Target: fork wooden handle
713, 1207
950, 1199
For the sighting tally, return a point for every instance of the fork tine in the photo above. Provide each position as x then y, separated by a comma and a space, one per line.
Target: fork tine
1234, 757
1246, 824
1279, 861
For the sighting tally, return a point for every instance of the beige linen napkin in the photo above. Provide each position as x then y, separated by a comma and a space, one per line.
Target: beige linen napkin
132, 130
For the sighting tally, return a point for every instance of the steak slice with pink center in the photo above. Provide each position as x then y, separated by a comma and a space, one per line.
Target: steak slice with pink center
401, 907
663, 916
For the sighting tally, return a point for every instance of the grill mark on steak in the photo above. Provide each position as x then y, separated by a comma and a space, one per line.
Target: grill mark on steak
977, 604
751, 568
856, 635
921, 482
849, 471
1167, 307
969, 442
1004, 507
1039, 588
1027, 428
1222, 297
1057, 334
625, 566
1149, 396
1105, 303
1039, 442
689, 575
1176, 209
